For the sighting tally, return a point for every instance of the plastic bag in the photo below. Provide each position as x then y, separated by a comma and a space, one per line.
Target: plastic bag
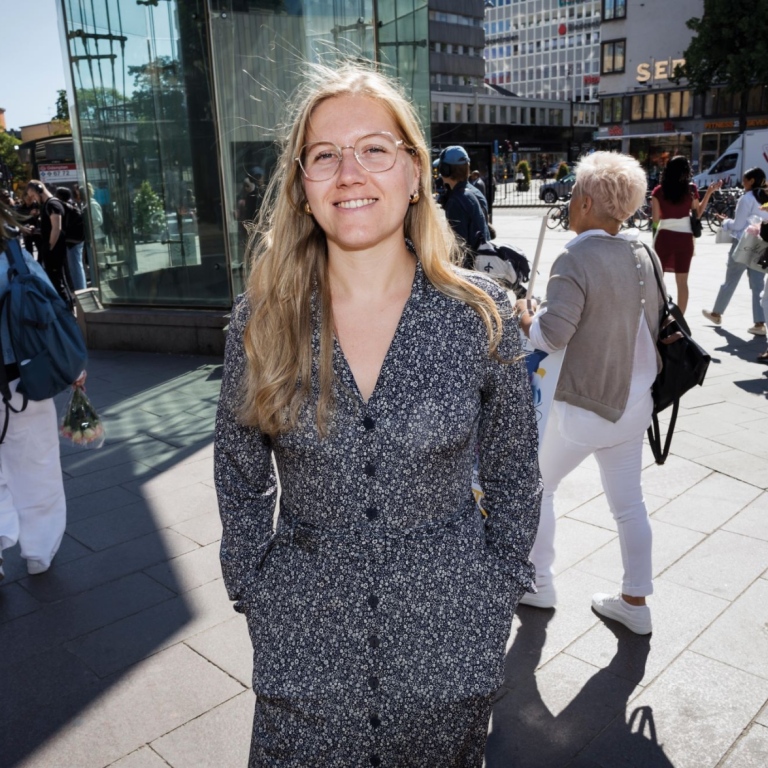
80, 424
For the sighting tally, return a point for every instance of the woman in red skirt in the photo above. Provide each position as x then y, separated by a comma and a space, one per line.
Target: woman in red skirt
672, 202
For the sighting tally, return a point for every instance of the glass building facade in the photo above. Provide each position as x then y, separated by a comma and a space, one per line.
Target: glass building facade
177, 105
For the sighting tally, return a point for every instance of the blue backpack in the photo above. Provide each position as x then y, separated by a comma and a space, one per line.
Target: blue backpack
47, 344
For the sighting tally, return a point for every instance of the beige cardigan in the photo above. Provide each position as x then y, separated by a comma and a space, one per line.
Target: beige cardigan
595, 292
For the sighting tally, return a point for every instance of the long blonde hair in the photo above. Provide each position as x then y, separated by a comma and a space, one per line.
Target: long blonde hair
289, 262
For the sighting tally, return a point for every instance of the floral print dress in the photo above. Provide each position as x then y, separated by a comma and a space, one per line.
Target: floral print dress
380, 602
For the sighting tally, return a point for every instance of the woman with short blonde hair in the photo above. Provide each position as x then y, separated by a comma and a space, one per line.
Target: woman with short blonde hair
368, 367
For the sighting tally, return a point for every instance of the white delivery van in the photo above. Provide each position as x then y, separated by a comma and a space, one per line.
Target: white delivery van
750, 150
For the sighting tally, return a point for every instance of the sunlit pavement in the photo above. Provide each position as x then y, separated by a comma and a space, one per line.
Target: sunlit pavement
127, 652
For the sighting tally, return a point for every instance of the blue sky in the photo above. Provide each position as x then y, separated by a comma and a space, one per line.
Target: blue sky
29, 84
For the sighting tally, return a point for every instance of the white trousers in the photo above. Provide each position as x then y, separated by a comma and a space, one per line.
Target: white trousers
618, 449
33, 508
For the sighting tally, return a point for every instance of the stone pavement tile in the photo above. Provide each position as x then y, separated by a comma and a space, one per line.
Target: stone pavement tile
15, 602
695, 710
762, 715
122, 474
752, 520
220, 737
724, 565
56, 623
544, 720
123, 422
190, 570
204, 529
556, 629
739, 464
184, 434
42, 698
146, 702
679, 616
701, 423
173, 403
728, 411
125, 642
172, 479
99, 501
690, 446
750, 440
129, 522
673, 478
575, 540
709, 504
228, 646
739, 637
670, 543
107, 565
141, 758
750, 751
702, 397
136, 449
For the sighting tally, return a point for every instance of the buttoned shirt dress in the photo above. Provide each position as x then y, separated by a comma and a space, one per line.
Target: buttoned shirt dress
381, 591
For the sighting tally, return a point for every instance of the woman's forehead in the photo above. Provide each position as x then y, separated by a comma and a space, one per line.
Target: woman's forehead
347, 117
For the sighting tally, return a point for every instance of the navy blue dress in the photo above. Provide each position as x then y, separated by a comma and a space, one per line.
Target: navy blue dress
380, 606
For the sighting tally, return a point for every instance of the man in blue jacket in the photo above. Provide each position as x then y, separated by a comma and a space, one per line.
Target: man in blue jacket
465, 206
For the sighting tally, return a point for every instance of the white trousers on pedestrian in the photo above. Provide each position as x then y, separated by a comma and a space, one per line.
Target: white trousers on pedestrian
618, 449
33, 510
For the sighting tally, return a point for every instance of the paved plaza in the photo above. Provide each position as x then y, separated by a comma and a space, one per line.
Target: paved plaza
127, 652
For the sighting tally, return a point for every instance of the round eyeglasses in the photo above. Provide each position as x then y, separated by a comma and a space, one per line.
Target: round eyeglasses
375, 152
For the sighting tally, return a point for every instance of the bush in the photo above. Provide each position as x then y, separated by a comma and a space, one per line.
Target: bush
523, 176
148, 211
562, 171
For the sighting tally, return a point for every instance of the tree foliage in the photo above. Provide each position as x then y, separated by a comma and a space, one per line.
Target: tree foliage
9, 157
62, 106
729, 48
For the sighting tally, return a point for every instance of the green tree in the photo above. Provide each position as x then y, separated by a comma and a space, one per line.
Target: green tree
62, 106
729, 48
9, 161
562, 171
148, 213
523, 176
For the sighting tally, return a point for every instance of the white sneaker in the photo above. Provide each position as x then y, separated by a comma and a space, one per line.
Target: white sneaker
35, 567
635, 617
712, 317
757, 330
545, 597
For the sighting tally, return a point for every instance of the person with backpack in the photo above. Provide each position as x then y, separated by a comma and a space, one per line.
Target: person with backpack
53, 244
74, 235
32, 502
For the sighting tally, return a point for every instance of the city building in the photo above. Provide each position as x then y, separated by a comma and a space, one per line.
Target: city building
643, 109
177, 110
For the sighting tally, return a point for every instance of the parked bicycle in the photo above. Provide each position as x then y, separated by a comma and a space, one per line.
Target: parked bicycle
559, 215
641, 218
721, 204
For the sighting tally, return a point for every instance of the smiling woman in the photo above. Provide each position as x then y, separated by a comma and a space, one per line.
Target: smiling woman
371, 368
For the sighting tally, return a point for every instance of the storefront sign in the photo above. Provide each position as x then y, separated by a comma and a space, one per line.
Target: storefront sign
575, 26
658, 70
615, 130
752, 122
591, 79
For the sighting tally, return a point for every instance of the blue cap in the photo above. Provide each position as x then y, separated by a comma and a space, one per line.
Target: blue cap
454, 155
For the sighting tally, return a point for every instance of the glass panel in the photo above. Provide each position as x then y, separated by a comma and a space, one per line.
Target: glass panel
144, 122
661, 106
617, 109
618, 56
686, 109
637, 108
648, 102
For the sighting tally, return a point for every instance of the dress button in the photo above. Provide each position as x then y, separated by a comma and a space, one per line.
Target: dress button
373, 601
369, 423
374, 721
373, 682
370, 469
375, 760
371, 513
373, 641
639, 266
642, 301
642, 282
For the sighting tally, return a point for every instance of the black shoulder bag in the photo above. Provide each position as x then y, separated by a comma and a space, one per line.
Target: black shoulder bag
684, 365
696, 226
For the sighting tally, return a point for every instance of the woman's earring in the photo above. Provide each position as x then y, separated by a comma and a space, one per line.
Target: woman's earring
307, 209
414, 198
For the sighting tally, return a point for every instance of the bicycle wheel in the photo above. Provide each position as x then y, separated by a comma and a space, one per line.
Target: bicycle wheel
553, 217
712, 221
565, 219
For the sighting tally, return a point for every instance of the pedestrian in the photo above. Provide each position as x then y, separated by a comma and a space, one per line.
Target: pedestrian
755, 195
32, 503
465, 206
476, 180
74, 237
380, 604
672, 203
603, 303
53, 245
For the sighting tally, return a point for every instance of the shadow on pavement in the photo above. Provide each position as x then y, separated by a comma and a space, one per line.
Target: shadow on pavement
110, 599
594, 730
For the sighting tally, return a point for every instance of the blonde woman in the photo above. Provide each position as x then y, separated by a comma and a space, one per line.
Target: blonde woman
369, 368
